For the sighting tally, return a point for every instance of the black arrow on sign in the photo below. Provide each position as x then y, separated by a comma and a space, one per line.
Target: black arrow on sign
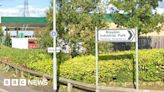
131, 35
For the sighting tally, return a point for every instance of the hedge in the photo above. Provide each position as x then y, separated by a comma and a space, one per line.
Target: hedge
119, 67
113, 67
34, 59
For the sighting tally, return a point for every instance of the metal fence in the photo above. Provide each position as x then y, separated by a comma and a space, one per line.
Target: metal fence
151, 42
145, 42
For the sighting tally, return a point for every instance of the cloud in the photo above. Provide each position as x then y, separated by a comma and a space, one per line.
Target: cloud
19, 10
161, 4
160, 10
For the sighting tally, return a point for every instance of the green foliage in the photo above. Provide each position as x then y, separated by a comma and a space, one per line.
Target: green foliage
8, 40
79, 69
43, 66
32, 58
74, 24
151, 70
138, 13
45, 40
36, 59
113, 67
1, 32
119, 66
44, 35
1, 35
108, 69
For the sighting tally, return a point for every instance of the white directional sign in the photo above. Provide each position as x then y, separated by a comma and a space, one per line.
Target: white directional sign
58, 49
117, 35
51, 49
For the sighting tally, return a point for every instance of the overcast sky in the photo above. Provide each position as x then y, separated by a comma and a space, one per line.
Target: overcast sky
160, 9
15, 7
36, 7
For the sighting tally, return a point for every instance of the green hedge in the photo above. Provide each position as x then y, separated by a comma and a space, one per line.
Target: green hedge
34, 59
113, 67
118, 67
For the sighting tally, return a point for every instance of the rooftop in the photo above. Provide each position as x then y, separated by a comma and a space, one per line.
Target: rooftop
23, 20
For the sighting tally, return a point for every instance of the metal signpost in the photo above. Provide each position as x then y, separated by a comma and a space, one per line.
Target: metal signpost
116, 35
51, 49
54, 46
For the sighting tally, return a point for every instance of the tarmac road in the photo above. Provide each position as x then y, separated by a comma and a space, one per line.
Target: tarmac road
13, 89
8, 75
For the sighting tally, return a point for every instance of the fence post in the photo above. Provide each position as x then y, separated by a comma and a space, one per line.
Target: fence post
22, 74
69, 88
44, 78
16, 72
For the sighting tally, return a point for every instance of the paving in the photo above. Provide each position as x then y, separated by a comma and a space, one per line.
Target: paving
9, 75
11, 88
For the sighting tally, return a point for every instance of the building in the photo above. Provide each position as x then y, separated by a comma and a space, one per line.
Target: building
22, 30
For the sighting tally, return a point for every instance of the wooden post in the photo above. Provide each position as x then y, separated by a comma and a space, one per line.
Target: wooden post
28, 76
7, 68
16, 72
44, 78
22, 74
69, 87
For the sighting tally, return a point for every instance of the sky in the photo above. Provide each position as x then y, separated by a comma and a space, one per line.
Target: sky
160, 9
37, 8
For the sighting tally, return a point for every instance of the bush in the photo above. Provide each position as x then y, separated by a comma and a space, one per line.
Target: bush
151, 64
119, 66
113, 67
33, 58
83, 69
22, 56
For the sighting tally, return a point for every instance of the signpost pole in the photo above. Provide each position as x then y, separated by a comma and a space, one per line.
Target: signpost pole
137, 79
54, 46
96, 48
116, 35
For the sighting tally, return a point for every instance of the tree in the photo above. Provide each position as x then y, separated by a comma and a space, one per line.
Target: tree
75, 23
138, 13
45, 40
1, 35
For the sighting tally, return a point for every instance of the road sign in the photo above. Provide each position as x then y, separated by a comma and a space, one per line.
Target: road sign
58, 49
51, 49
117, 35
53, 33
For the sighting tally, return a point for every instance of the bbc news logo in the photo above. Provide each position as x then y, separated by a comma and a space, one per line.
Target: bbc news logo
24, 82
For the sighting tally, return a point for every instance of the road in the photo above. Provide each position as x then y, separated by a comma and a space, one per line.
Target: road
13, 89
9, 75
